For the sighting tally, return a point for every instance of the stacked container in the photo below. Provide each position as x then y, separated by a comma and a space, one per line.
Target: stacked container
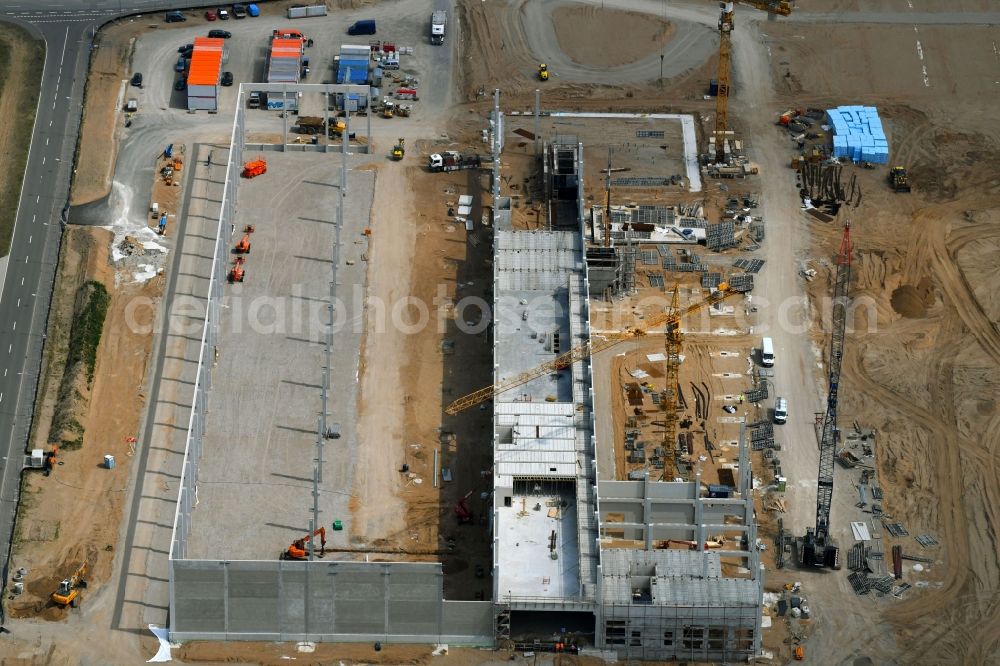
204, 72
285, 63
353, 63
858, 134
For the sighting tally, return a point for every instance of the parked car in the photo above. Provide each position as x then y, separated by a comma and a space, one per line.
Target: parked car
186, 49
175, 17
227, 78
252, 10
223, 34
181, 84
365, 27
181, 64
137, 80
210, 15
223, 15
239, 11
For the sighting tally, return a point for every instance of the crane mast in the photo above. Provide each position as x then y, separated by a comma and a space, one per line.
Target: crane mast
723, 77
817, 548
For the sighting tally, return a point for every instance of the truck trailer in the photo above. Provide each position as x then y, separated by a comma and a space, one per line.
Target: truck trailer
452, 161
439, 20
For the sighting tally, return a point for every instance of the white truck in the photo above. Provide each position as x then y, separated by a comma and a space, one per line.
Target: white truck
439, 19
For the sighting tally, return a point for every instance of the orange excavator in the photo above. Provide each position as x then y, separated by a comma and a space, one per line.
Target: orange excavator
236, 273
298, 551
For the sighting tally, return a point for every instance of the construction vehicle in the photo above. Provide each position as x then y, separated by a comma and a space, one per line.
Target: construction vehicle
671, 319
407, 94
439, 19
404, 110
543, 72
462, 509
780, 7
236, 273
799, 653
399, 150
243, 246
898, 179
452, 161
298, 551
388, 108
68, 592
724, 75
817, 548
254, 168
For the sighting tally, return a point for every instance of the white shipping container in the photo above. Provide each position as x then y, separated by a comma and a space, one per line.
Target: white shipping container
203, 91
202, 104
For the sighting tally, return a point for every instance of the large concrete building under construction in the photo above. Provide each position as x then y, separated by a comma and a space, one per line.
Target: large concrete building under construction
572, 553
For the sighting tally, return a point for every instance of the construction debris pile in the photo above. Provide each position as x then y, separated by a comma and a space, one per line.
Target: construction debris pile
822, 189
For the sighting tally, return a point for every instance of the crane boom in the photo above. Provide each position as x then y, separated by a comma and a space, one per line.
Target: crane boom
588, 349
818, 548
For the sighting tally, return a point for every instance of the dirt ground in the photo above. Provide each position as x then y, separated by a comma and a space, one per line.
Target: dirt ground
923, 365
72, 516
102, 116
21, 61
608, 37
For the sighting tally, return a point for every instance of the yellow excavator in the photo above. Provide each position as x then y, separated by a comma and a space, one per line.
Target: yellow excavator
68, 593
399, 150
543, 72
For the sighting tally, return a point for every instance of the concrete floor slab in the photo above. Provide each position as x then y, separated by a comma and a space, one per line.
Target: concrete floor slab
255, 481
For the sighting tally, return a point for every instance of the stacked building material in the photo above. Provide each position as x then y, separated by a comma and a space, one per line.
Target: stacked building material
353, 63
858, 134
285, 63
204, 73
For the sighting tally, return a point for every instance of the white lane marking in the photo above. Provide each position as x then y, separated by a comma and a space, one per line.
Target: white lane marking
43, 160
15, 326
920, 50
63, 56
46, 141
9, 347
29, 239
37, 197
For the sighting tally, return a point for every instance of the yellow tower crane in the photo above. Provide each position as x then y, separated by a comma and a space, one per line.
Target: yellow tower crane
724, 75
583, 351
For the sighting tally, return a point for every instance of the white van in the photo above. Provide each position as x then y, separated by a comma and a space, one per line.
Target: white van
767, 353
780, 410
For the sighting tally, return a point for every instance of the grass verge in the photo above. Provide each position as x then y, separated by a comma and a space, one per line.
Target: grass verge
21, 62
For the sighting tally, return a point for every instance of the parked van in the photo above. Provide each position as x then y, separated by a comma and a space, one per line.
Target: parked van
780, 410
175, 17
366, 27
767, 353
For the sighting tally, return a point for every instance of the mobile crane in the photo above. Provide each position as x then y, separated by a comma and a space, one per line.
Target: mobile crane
298, 551
583, 351
817, 548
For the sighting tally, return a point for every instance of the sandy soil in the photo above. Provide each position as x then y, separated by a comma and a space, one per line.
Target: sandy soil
608, 37
102, 119
923, 365
73, 515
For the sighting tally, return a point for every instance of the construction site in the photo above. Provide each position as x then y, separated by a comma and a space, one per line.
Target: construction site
646, 333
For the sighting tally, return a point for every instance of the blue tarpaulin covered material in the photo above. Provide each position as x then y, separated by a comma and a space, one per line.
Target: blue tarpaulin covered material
858, 134
352, 71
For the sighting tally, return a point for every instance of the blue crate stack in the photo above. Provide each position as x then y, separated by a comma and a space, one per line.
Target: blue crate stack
858, 134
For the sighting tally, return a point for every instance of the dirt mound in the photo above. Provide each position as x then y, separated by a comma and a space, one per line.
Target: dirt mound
912, 301
608, 37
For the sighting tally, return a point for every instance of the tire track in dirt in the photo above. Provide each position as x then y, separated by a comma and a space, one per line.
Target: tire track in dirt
952, 281
945, 461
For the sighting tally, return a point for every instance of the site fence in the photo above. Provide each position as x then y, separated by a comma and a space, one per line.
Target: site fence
395, 602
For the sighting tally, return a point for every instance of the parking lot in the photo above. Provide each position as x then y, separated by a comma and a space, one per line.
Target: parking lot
156, 54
